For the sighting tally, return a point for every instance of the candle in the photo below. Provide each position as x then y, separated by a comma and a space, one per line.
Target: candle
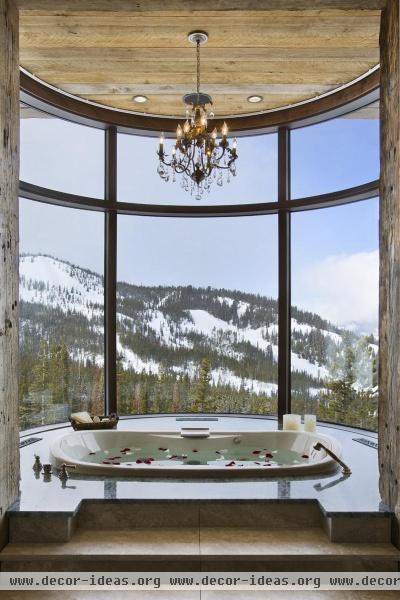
224, 130
291, 422
161, 149
310, 423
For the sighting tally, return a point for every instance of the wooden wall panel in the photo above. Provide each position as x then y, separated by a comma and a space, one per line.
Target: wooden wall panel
9, 127
389, 329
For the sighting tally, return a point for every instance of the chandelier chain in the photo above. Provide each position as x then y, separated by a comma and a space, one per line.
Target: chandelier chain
198, 65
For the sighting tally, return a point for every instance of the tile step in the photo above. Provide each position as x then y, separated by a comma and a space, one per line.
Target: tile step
206, 544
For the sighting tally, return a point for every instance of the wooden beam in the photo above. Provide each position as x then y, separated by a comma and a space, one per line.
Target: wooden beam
389, 300
195, 5
9, 127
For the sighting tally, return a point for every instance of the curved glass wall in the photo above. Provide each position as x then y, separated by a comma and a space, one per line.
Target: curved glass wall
197, 327
335, 155
60, 155
61, 313
256, 179
335, 283
200, 301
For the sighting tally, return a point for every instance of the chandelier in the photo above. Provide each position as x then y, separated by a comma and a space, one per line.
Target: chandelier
198, 156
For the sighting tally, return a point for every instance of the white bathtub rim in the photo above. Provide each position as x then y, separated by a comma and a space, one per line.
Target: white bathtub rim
58, 456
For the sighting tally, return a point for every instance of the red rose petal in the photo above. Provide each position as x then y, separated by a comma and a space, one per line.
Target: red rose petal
116, 463
91, 453
256, 451
163, 449
139, 461
125, 450
194, 450
147, 462
305, 456
173, 456
231, 464
257, 463
107, 462
269, 455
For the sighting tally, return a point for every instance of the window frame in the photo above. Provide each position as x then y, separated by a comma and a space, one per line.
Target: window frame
283, 207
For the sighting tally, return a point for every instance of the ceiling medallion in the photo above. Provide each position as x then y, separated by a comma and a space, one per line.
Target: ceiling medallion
198, 156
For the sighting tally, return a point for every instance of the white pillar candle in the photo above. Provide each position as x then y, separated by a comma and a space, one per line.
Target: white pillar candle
310, 423
291, 422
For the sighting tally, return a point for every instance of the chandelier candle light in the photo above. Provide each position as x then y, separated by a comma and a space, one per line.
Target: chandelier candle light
198, 155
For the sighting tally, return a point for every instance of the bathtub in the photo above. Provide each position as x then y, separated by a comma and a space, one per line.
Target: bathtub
203, 454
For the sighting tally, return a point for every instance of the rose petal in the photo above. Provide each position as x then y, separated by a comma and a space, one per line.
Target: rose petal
91, 453
139, 461
256, 451
147, 462
163, 449
125, 450
194, 450
305, 456
231, 464
269, 455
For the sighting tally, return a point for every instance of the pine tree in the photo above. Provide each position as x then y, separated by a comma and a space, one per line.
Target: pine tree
176, 398
201, 392
96, 405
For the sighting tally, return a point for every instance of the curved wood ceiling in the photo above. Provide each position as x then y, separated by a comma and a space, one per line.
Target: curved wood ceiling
285, 56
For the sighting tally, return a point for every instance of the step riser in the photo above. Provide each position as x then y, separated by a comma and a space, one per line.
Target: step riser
237, 565
100, 516
44, 528
361, 529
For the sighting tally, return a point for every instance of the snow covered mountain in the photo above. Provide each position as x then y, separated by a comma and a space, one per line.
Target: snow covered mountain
169, 330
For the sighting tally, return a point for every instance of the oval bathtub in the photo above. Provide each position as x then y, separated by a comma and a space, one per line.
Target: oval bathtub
154, 454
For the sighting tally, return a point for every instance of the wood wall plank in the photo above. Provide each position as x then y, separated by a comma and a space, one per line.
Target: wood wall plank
9, 147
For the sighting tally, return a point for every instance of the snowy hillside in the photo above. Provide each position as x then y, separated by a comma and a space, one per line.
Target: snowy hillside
170, 329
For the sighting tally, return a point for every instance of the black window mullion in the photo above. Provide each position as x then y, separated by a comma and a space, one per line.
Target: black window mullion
284, 289
110, 273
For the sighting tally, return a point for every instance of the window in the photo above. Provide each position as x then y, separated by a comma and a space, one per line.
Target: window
336, 154
335, 260
256, 180
61, 313
197, 315
60, 155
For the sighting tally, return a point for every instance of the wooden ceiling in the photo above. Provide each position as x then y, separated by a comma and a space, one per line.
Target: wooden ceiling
285, 56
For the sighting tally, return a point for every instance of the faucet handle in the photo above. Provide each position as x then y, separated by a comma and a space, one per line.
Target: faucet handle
63, 475
37, 465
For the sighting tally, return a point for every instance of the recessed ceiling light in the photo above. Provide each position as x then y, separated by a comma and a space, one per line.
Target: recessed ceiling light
254, 99
140, 99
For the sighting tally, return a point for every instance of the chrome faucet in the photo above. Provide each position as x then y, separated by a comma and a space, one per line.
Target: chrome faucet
63, 474
346, 469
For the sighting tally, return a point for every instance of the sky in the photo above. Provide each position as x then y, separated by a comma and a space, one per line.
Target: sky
334, 251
